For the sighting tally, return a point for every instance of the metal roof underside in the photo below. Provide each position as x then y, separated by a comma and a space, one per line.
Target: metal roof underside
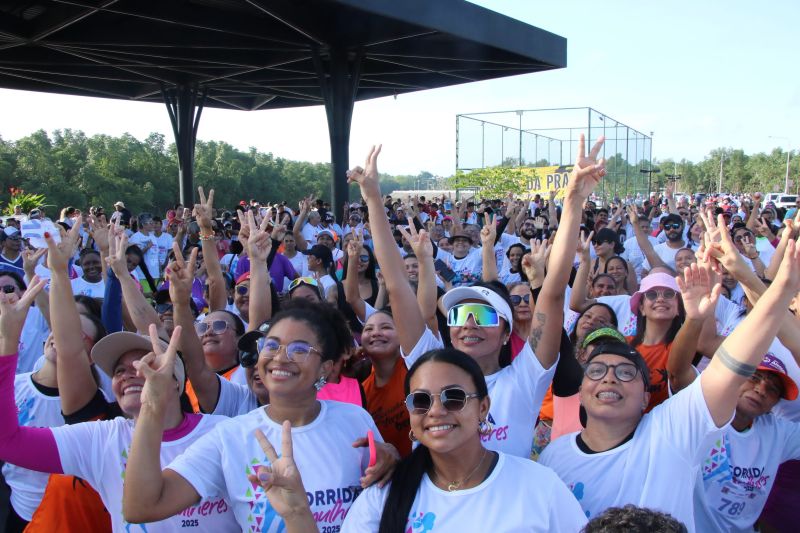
260, 54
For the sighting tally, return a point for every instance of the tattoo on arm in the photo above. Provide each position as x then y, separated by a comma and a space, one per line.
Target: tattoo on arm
735, 366
537, 330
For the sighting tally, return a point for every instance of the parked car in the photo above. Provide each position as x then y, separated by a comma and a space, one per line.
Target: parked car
786, 201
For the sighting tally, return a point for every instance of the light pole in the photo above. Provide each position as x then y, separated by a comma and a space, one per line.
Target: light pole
649, 172
788, 156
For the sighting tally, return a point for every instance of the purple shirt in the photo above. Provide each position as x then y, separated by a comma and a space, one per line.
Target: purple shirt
281, 268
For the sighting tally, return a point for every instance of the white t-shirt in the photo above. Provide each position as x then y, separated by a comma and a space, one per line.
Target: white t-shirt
738, 473
666, 254
34, 409
218, 464
468, 269
300, 264
727, 315
93, 290
31, 341
98, 452
519, 495
234, 399
657, 468
633, 253
789, 410
309, 232
516, 392
151, 255
621, 304
164, 245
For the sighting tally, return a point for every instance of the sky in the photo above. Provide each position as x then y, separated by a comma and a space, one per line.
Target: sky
698, 74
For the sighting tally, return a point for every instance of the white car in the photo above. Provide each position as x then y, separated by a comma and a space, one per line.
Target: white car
786, 201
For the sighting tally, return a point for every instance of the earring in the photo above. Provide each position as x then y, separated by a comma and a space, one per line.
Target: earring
320, 383
485, 428
411, 436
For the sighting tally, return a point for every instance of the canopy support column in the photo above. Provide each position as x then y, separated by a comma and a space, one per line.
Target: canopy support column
185, 105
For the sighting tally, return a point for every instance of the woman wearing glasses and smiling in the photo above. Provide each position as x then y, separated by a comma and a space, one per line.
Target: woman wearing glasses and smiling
451, 481
479, 318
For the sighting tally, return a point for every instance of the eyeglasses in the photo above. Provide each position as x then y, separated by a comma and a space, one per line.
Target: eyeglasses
516, 299
163, 308
241, 290
666, 294
364, 258
305, 280
674, 225
217, 327
771, 389
624, 372
485, 316
453, 400
8, 289
296, 351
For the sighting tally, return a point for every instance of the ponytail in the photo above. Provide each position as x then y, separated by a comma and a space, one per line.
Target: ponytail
406, 480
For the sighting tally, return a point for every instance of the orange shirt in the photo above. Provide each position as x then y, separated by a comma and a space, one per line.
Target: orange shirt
69, 505
546, 411
193, 396
387, 405
656, 355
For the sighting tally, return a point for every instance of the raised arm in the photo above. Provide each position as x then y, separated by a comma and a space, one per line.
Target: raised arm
488, 238
401, 296
644, 243
28, 447
259, 246
100, 235
579, 299
205, 382
30, 258
426, 278
76, 385
299, 239
699, 302
217, 290
548, 316
148, 493
741, 352
552, 214
792, 227
141, 312
350, 282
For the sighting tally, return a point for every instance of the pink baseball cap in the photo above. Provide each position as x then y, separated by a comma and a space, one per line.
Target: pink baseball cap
659, 279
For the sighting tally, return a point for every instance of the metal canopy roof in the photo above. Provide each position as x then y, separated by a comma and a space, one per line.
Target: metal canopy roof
259, 54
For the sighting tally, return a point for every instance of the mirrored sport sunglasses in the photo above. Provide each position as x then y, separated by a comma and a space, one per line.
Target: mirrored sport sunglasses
217, 327
304, 280
653, 295
624, 372
296, 351
453, 400
517, 299
485, 316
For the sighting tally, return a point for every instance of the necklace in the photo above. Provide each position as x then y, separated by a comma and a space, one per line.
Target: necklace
456, 485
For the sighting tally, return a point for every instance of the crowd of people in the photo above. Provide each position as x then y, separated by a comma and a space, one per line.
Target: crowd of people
406, 365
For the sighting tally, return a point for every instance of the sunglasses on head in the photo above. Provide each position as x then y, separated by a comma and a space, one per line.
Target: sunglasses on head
485, 316
163, 308
217, 327
673, 225
305, 280
296, 351
8, 289
653, 295
624, 372
453, 400
516, 299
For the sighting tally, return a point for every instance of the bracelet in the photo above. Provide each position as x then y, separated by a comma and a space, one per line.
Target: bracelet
207, 237
735, 366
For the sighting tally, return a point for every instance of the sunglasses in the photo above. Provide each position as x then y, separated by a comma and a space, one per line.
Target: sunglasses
8, 289
453, 400
296, 351
674, 225
598, 243
653, 295
364, 258
163, 308
624, 372
217, 327
516, 299
241, 290
742, 237
305, 280
485, 316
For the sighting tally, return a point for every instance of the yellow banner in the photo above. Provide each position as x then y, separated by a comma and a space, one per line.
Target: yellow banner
542, 180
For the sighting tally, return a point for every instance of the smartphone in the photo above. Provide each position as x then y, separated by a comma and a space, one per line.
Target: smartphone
373, 453
444, 271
